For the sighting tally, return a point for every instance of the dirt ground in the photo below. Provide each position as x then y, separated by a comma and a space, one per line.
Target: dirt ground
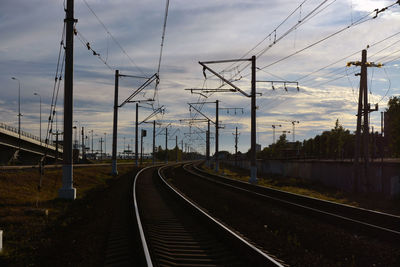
42, 230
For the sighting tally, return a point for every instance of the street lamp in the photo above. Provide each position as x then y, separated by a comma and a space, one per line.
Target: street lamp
19, 107
40, 125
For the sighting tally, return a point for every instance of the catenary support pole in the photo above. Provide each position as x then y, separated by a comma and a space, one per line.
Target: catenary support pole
67, 191
253, 164
176, 148
83, 144
216, 135
136, 135
154, 141
166, 144
208, 144
114, 170
141, 147
236, 143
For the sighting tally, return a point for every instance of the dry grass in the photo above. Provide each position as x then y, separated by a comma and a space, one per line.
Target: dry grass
314, 189
26, 213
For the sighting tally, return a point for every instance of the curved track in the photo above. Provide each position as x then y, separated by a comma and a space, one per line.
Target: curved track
175, 232
377, 224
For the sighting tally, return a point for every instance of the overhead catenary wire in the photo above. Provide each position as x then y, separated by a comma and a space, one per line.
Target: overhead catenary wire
87, 44
344, 58
113, 38
56, 86
276, 40
161, 50
360, 21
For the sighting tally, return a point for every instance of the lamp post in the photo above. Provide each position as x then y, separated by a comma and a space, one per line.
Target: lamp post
19, 107
40, 124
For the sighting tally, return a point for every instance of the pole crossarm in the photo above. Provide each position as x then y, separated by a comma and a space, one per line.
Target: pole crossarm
162, 129
205, 67
234, 109
193, 121
143, 86
192, 106
133, 76
155, 112
193, 90
225, 61
367, 64
283, 82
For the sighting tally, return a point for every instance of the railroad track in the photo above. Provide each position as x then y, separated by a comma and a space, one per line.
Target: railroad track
377, 224
176, 232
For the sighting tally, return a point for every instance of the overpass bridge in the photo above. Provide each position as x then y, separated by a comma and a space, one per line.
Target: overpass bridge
28, 149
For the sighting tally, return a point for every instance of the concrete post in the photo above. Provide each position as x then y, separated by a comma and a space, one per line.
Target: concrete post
68, 191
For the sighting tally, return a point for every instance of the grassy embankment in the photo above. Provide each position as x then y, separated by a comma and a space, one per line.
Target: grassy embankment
313, 189
30, 219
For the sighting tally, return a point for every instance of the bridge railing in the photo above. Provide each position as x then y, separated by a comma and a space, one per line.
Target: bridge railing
26, 134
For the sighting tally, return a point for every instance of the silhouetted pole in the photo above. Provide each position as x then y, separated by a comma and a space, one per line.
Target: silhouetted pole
236, 143
40, 117
101, 147
253, 164
154, 141
68, 191
176, 148
114, 170
83, 143
136, 135
366, 115
141, 147
216, 135
166, 145
19, 112
208, 143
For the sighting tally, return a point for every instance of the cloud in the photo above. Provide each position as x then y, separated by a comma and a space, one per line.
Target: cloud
198, 31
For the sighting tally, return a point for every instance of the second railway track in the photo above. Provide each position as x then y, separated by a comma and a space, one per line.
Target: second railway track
297, 235
378, 224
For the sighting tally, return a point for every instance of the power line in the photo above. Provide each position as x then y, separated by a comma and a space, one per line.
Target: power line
294, 27
161, 50
360, 21
112, 37
342, 59
86, 43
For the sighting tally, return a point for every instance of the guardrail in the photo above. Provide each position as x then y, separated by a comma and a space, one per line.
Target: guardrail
25, 134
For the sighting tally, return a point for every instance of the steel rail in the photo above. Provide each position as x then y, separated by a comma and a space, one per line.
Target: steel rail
261, 253
264, 193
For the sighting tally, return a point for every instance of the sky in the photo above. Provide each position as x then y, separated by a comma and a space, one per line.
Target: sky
127, 35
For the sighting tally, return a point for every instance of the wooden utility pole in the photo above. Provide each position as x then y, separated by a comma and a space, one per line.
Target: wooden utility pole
361, 175
67, 191
253, 167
